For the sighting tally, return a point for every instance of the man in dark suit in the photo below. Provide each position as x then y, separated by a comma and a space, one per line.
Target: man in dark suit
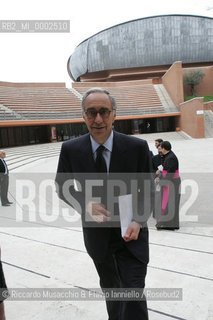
4, 180
157, 168
157, 160
170, 181
121, 262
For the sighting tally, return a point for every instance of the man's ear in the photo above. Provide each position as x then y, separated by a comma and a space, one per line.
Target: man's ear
114, 116
83, 115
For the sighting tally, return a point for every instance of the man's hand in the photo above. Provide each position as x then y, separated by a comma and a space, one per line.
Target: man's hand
157, 180
132, 231
98, 212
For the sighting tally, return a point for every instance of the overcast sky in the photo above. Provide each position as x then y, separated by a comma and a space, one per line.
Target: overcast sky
42, 57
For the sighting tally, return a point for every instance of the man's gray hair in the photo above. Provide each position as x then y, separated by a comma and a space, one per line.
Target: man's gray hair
93, 90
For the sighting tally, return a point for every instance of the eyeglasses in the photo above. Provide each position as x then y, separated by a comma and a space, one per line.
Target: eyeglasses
92, 113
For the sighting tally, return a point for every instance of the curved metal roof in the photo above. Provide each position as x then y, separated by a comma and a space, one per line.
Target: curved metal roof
150, 41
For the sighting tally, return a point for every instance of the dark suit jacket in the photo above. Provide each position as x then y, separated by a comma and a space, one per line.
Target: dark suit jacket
129, 155
4, 179
157, 160
170, 164
2, 167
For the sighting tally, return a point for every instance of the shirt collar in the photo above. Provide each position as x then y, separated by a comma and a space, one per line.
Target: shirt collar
107, 144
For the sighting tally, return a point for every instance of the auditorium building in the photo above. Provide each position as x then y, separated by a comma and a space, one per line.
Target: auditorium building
141, 62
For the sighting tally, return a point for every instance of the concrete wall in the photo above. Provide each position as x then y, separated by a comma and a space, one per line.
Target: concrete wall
173, 82
191, 122
206, 85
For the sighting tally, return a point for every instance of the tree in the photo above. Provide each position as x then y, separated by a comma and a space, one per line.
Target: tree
193, 78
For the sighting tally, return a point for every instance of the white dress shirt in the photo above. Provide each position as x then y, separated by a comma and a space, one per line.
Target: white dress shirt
108, 144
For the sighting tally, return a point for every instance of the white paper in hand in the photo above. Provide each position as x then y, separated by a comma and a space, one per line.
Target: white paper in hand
160, 167
125, 210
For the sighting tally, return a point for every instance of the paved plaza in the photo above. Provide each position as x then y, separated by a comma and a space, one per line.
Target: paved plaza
51, 254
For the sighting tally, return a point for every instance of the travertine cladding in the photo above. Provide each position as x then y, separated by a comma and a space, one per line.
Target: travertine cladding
151, 41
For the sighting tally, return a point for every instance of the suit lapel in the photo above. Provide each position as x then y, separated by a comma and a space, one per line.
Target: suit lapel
117, 163
87, 155
3, 166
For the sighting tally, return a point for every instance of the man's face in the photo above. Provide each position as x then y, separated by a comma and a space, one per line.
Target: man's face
2, 155
160, 150
99, 126
164, 151
156, 143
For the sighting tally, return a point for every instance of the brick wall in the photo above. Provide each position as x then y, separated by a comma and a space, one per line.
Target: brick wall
190, 120
206, 85
173, 82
